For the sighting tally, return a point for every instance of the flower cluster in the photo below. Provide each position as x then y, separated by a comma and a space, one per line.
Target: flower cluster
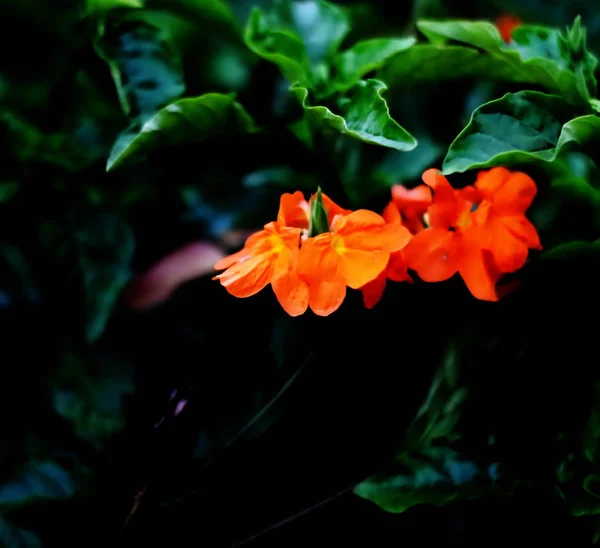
316, 249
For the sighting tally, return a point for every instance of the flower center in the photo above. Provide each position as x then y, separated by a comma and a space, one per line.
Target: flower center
337, 243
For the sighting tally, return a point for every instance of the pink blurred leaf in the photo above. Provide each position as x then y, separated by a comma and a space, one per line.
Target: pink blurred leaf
154, 286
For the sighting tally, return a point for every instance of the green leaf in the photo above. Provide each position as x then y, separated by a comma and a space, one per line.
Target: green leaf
519, 128
8, 189
297, 37
200, 11
15, 537
321, 26
436, 475
184, 121
439, 414
363, 57
279, 46
90, 393
95, 251
362, 114
30, 144
144, 64
572, 250
536, 55
95, 7
578, 476
425, 63
37, 481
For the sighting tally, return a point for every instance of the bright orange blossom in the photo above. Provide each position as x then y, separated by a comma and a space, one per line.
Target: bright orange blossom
294, 210
480, 232
396, 269
506, 24
269, 257
412, 203
353, 254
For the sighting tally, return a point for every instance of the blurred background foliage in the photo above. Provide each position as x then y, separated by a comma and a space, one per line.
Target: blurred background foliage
127, 384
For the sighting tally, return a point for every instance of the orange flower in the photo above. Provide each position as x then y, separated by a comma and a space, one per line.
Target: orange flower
506, 24
396, 269
502, 226
479, 232
294, 210
412, 204
269, 257
355, 252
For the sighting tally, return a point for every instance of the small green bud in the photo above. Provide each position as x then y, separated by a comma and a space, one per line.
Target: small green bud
319, 219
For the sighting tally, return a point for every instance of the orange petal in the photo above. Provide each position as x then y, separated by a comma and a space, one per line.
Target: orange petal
509, 252
359, 267
291, 292
261, 241
444, 210
290, 237
327, 295
391, 214
248, 277
294, 210
397, 269
523, 229
317, 260
478, 272
434, 254
366, 230
412, 202
414, 225
489, 181
515, 195
389, 238
468, 194
361, 219
226, 262
373, 291
394, 237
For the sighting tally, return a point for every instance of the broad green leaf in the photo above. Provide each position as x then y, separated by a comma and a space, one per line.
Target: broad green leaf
572, 250
362, 113
424, 63
199, 10
439, 414
320, 25
95, 252
16, 537
536, 55
90, 392
519, 128
30, 144
436, 475
144, 64
187, 120
95, 7
37, 481
363, 57
279, 46
297, 36
578, 475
